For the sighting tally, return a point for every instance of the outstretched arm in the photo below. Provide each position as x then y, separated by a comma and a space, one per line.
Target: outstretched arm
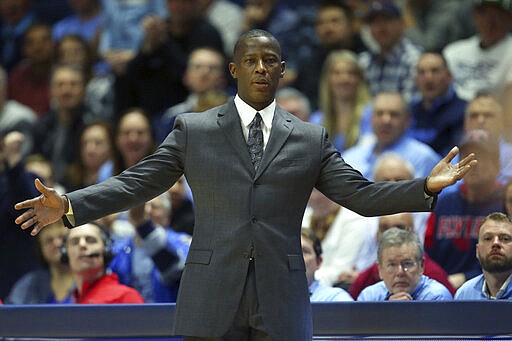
45, 209
445, 174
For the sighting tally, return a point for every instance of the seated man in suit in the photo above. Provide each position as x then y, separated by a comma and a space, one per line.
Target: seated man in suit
401, 266
494, 252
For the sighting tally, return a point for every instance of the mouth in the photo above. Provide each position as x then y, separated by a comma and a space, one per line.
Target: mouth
262, 83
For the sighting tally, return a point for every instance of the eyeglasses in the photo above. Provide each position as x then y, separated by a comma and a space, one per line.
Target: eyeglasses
407, 266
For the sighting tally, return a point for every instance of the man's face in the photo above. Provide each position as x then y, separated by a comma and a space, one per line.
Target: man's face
400, 268
486, 171
494, 248
402, 221
492, 23
38, 45
158, 212
257, 68
332, 27
486, 114
386, 30
310, 259
392, 170
389, 119
67, 88
432, 76
205, 71
81, 243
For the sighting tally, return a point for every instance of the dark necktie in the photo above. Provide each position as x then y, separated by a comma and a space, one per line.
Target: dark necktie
255, 141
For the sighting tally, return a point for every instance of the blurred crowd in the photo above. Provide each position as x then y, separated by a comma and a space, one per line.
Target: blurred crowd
88, 88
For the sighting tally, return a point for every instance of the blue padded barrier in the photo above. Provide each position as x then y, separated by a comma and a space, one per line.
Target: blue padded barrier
350, 320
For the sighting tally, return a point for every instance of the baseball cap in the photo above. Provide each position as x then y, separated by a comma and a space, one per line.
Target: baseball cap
482, 140
384, 7
504, 4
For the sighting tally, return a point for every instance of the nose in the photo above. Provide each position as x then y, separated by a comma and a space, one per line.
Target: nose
260, 66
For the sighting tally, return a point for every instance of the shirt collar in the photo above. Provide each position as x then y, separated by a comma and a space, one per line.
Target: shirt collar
485, 290
247, 112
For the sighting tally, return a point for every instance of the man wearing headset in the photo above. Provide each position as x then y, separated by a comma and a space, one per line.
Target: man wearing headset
88, 251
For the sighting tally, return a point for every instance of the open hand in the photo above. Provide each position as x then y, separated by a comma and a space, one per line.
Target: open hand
445, 174
45, 209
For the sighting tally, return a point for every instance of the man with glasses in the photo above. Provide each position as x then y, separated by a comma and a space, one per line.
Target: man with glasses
401, 264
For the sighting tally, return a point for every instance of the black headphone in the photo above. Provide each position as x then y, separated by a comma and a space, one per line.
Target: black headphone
108, 253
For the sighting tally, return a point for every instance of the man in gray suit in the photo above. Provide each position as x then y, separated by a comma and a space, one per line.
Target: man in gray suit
244, 277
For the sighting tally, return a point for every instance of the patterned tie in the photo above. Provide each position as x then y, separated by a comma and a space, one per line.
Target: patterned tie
255, 141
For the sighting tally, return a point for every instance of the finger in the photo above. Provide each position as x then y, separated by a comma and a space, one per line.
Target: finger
25, 216
464, 170
41, 187
467, 160
30, 203
36, 229
30, 222
451, 154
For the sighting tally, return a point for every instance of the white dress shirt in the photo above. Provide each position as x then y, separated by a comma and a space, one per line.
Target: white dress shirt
247, 114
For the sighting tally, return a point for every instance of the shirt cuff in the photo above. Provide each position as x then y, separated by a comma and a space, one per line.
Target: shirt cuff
69, 217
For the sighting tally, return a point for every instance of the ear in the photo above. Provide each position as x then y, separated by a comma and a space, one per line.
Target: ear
283, 67
380, 272
232, 70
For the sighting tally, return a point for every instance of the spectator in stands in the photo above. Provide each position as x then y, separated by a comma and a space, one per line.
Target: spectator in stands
437, 112
507, 189
99, 96
401, 265
319, 217
334, 30
343, 94
29, 80
295, 102
393, 66
477, 62
15, 116
205, 72
86, 21
312, 253
153, 259
88, 250
17, 255
226, 16
15, 18
282, 22
53, 283
363, 244
390, 121
433, 24
485, 112
370, 275
43, 170
122, 31
452, 229
94, 164
161, 60
56, 135
494, 252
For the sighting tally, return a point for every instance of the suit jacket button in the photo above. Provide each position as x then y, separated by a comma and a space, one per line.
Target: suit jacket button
254, 220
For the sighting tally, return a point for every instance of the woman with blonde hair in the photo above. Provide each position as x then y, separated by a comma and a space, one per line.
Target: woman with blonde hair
343, 95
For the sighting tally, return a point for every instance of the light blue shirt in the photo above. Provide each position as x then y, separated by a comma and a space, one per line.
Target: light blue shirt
322, 293
427, 290
476, 289
420, 155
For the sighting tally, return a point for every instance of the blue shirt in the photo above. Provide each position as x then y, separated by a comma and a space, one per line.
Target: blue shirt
74, 25
421, 156
427, 290
322, 293
476, 289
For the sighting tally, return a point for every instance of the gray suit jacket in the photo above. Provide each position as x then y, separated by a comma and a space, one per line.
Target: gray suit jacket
236, 207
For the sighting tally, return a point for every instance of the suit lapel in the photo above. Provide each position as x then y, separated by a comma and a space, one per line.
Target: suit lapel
281, 129
229, 122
